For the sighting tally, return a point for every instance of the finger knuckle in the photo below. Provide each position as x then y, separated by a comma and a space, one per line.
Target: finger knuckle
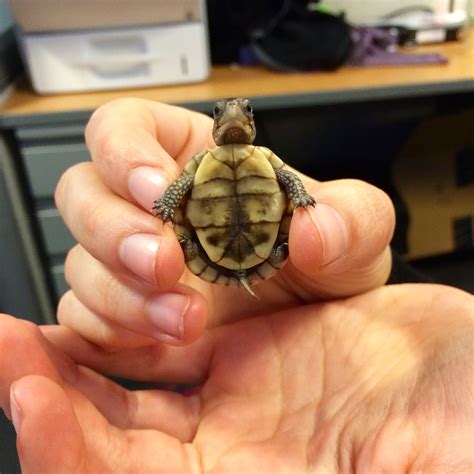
376, 204
92, 216
70, 264
104, 112
117, 145
101, 294
68, 182
103, 118
63, 311
109, 147
108, 292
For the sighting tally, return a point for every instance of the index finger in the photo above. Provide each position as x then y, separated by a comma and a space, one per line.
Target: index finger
139, 146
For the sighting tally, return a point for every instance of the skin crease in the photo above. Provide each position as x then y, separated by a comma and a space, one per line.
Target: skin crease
308, 379
283, 392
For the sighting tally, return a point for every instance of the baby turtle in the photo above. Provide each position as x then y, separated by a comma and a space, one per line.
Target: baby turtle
232, 206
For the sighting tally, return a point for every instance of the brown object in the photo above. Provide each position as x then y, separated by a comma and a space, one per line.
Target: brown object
430, 181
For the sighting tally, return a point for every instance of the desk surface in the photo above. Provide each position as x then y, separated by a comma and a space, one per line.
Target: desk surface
270, 89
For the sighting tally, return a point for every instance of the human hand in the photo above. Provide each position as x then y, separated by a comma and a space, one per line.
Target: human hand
380, 382
129, 286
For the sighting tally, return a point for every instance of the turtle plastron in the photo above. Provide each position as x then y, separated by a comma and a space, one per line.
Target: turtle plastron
233, 205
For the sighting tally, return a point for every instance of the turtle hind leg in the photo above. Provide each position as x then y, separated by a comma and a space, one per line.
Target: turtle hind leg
198, 262
279, 254
195, 261
190, 248
294, 188
268, 268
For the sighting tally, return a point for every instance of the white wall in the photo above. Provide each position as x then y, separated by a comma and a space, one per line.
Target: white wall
359, 11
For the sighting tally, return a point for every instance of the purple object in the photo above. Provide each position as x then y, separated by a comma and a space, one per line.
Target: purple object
376, 46
247, 56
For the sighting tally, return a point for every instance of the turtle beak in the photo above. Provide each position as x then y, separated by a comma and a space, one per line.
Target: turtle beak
235, 131
235, 124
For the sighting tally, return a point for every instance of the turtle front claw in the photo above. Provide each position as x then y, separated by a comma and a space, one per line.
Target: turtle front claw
172, 197
164, 211
304, 200
294, 188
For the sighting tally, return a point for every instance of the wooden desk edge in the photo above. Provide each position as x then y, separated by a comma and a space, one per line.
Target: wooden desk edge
267, 102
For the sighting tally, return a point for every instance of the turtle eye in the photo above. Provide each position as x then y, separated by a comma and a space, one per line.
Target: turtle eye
217, 110
248, 108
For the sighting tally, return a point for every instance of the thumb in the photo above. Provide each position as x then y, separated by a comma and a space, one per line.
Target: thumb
49, 438
341, 246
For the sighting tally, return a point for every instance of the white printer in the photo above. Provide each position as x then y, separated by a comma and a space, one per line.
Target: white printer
78, 45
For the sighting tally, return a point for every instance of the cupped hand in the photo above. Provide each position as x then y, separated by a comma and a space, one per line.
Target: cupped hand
128, 278
380, 382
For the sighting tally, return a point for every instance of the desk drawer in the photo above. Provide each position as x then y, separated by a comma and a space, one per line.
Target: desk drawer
56, 235
47, 133
45, 164
59, 281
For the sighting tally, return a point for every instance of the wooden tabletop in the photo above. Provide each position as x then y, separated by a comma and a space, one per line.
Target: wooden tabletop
275, 89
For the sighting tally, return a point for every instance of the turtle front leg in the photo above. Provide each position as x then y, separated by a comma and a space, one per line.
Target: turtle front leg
171, 199
294, 188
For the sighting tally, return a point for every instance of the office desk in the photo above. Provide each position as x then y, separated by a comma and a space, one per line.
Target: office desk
269, 89
41, 133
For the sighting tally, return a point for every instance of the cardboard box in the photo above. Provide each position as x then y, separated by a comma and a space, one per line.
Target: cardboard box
434, 174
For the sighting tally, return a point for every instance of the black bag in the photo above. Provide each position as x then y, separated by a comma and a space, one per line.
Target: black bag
284, 35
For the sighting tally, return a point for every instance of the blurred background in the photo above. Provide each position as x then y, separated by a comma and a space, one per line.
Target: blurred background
68, 45
378, 90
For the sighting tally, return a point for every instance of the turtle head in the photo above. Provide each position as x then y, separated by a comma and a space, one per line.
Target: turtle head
233, 122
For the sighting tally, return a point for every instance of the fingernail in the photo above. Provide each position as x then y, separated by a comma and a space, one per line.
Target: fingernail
146, 184
333, 230
166, 312
138, 253
15, 409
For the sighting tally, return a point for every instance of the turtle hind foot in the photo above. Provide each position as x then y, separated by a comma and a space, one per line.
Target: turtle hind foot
279, 254
190, 248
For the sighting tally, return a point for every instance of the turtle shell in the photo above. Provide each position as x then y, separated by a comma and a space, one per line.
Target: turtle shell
237, 210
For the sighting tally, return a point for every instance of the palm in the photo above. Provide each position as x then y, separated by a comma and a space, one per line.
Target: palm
332, 386
303, 389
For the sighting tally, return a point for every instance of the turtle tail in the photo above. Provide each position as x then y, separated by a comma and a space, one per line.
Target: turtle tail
243, 280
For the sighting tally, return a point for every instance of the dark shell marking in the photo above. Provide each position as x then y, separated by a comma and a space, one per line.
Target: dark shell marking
201, 266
